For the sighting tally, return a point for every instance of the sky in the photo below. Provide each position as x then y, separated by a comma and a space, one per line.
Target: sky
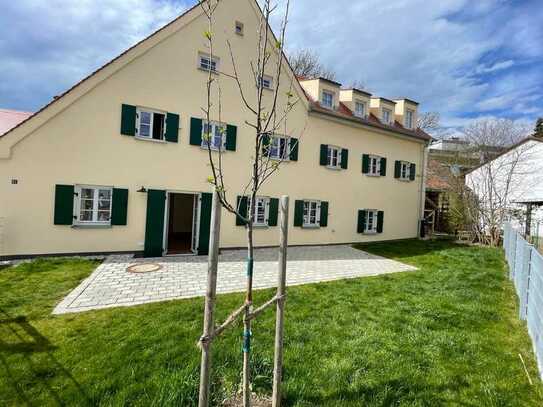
465, 59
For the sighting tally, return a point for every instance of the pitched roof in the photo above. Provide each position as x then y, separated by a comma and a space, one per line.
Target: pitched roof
11, 118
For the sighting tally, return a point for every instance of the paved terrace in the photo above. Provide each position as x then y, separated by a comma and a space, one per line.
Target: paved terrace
112, 285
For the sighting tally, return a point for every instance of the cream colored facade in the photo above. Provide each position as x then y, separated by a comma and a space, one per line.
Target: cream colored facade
76, 141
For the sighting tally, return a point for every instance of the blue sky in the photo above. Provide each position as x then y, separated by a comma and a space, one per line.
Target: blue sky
464, 59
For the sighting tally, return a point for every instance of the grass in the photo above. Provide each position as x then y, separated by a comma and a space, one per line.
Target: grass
447, 334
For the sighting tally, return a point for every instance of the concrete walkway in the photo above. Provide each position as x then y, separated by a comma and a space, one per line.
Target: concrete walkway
113, 285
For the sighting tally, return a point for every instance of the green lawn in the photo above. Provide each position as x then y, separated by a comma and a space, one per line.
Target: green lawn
445, 335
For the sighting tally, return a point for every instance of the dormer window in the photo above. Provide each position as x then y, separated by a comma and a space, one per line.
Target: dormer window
327, 99
387, 116
409, 116
360, 109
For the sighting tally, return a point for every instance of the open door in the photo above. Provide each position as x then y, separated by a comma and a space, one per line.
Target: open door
180, 227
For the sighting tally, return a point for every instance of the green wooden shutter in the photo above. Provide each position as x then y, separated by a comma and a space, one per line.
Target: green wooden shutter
383, 167
365, 163
242, 209
412, 172
397, 169
361, 224
293, 142
205, 223
231, 135
324, 154
154, 227
128, 120
273, 212
172, 127
119, 206
195, 131
298, 213
265, 145
380, 220
324, 214
344, 158
64, 205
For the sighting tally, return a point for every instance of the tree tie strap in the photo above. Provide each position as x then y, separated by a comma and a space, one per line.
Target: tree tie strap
250, 264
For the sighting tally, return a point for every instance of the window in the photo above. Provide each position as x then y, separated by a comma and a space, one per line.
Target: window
311, 213
93, 205
213, 134
333, 159
375, 165
360, 109
327, 99
260, 211
207, 63
371, 221
279, 148
150, 124
239, 28
405, 170
265, 81
409, 114
387, 116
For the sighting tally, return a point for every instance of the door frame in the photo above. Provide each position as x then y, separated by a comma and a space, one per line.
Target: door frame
195, 195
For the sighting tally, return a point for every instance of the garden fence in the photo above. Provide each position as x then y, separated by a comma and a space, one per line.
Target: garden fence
526, 272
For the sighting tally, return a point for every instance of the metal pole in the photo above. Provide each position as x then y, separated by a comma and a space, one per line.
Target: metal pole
211, 293
280, 315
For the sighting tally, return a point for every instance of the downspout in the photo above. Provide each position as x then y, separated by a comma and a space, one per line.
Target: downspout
422, 197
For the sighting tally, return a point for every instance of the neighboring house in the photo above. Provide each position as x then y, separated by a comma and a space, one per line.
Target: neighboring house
448, 161
11, 118
117, 163
515, 176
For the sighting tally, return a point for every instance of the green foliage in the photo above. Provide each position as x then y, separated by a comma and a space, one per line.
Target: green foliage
447, 334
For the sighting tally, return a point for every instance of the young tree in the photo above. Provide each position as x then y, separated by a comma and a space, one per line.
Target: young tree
493, 187
538, 131
306, 64
267, 115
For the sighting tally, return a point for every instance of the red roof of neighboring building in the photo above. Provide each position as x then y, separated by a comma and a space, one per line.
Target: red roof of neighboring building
11, 118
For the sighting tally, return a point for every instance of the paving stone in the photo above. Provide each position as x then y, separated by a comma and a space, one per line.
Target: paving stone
184, 277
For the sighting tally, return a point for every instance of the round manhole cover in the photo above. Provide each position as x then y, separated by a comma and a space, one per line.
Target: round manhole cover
143, 268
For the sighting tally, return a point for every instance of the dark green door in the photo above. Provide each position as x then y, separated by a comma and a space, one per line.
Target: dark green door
154, 229
205, 223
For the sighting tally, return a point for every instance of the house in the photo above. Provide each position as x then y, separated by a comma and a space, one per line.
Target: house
118, 164
513, 180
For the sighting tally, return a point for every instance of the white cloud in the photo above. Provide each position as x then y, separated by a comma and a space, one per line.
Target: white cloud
498, 66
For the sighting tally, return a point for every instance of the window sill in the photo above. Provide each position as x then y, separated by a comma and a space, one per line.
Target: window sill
261, 226
370, 233
334, 168
310, 226
150, 139
373, 175
91, 226
403, 179
213, 149
208, 71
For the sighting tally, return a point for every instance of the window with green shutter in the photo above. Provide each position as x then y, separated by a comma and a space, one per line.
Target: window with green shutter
298, 213
172, 128
231, 135
383, 168
361, 224
195, 131
273, 212
64, 205
365, 163
294, 146
412, 172
119, 207
405, 171
128, 120
242, 205
380, 220
397, 169
324, 214
323, 159
344, 158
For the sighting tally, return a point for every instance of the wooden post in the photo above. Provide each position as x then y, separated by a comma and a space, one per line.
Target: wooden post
211, 293
281, 290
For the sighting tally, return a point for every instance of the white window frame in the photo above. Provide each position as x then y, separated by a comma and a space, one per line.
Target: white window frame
371, 214
312, 205
360, 113
274, 150
330, 157
214, 128
152, 112
95, 200
409, 118
265, 204
389, 112
405, 170
205, 63
266, 79
374, 167
328, 93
